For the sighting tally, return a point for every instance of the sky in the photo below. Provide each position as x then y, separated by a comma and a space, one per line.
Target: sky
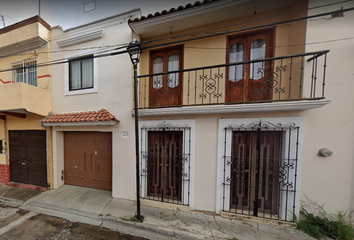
70, 13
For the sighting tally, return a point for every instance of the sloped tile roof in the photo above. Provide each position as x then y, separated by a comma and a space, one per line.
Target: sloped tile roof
180, 8
92, 116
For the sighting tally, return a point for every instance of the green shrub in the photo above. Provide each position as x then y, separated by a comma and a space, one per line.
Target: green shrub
316, 222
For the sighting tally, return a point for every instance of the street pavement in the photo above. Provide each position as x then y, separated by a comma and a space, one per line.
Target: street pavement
162, 221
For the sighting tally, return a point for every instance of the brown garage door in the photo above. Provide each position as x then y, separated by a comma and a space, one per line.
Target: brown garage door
28, 161
88, 159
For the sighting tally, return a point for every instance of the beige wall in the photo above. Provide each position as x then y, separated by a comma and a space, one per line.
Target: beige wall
24, 33
24, 96
114, 79
19, 96
329, 181
31, 122
42, 56
289, 39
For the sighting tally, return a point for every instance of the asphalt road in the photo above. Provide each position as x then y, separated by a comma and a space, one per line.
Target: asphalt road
19, 224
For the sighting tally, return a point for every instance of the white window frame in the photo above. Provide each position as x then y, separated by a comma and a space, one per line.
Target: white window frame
224, 123
23, 63
67, 91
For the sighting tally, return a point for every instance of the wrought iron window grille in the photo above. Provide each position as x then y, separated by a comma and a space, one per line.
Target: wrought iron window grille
260, 170
25, 71
165, 163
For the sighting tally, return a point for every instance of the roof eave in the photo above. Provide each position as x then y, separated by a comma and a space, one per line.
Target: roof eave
76, 124
181, 14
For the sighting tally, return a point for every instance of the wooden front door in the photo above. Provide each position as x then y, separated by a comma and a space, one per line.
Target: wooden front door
255, 166
251, 81
88, 159
28, 157
166, 90
165, 166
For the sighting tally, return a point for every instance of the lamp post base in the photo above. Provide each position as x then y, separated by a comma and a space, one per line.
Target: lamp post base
139, 218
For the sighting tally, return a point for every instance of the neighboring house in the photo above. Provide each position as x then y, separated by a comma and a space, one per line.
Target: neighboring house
236, 98
25, 96
92, 126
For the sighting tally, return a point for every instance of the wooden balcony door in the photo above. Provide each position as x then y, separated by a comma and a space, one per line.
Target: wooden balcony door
251, 81
255, 171
166, 90
165, 166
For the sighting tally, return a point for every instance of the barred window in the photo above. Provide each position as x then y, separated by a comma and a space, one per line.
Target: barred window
25, 71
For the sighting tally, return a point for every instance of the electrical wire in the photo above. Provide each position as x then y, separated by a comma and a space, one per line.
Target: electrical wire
207, 31
96, 27
62, 61
71, 50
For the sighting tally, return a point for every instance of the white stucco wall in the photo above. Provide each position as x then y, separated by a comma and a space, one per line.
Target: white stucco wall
114, 91
329, 181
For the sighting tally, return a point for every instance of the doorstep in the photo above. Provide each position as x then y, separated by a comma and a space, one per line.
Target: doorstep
252, 219
164, 205
26, 186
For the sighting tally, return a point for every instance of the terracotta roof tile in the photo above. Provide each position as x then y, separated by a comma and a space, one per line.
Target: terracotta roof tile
180, 8
91, 116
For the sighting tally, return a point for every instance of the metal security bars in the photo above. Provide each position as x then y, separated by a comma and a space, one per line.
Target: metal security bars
165, 163
263, 80
25, 71
260, 170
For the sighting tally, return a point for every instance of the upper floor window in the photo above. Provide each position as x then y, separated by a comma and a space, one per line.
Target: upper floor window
25, 71
165, 89
251, 78
81, 73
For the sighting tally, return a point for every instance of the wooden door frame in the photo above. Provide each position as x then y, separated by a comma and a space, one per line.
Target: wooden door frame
253, 172
246, 38
90, 167
165, 53
27, 159
164, 164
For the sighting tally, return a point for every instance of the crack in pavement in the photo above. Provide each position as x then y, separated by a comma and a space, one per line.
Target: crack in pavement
174, 213
211, 230
219, 227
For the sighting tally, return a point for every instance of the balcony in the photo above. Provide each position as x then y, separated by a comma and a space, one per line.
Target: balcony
24, 98
293, 82
29, 34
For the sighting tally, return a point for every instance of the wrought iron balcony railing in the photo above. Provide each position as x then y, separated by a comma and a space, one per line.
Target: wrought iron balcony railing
287, 78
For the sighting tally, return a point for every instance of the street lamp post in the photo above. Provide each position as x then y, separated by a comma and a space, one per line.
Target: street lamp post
134, 53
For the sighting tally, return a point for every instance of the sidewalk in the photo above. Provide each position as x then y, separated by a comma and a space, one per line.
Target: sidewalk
96, 207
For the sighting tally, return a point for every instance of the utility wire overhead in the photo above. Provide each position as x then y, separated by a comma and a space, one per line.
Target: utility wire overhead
207, 31
62, 61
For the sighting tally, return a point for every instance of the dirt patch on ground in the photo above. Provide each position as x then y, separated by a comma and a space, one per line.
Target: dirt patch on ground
8, 215
43, 227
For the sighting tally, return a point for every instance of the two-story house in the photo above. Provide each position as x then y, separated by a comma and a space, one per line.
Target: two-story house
25, 98
91, 123
245, 107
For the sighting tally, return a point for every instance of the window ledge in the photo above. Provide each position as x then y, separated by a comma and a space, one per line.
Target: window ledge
237, 108
81, 91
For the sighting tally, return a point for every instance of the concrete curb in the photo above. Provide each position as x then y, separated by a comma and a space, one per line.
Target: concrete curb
10, 202
115, 224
